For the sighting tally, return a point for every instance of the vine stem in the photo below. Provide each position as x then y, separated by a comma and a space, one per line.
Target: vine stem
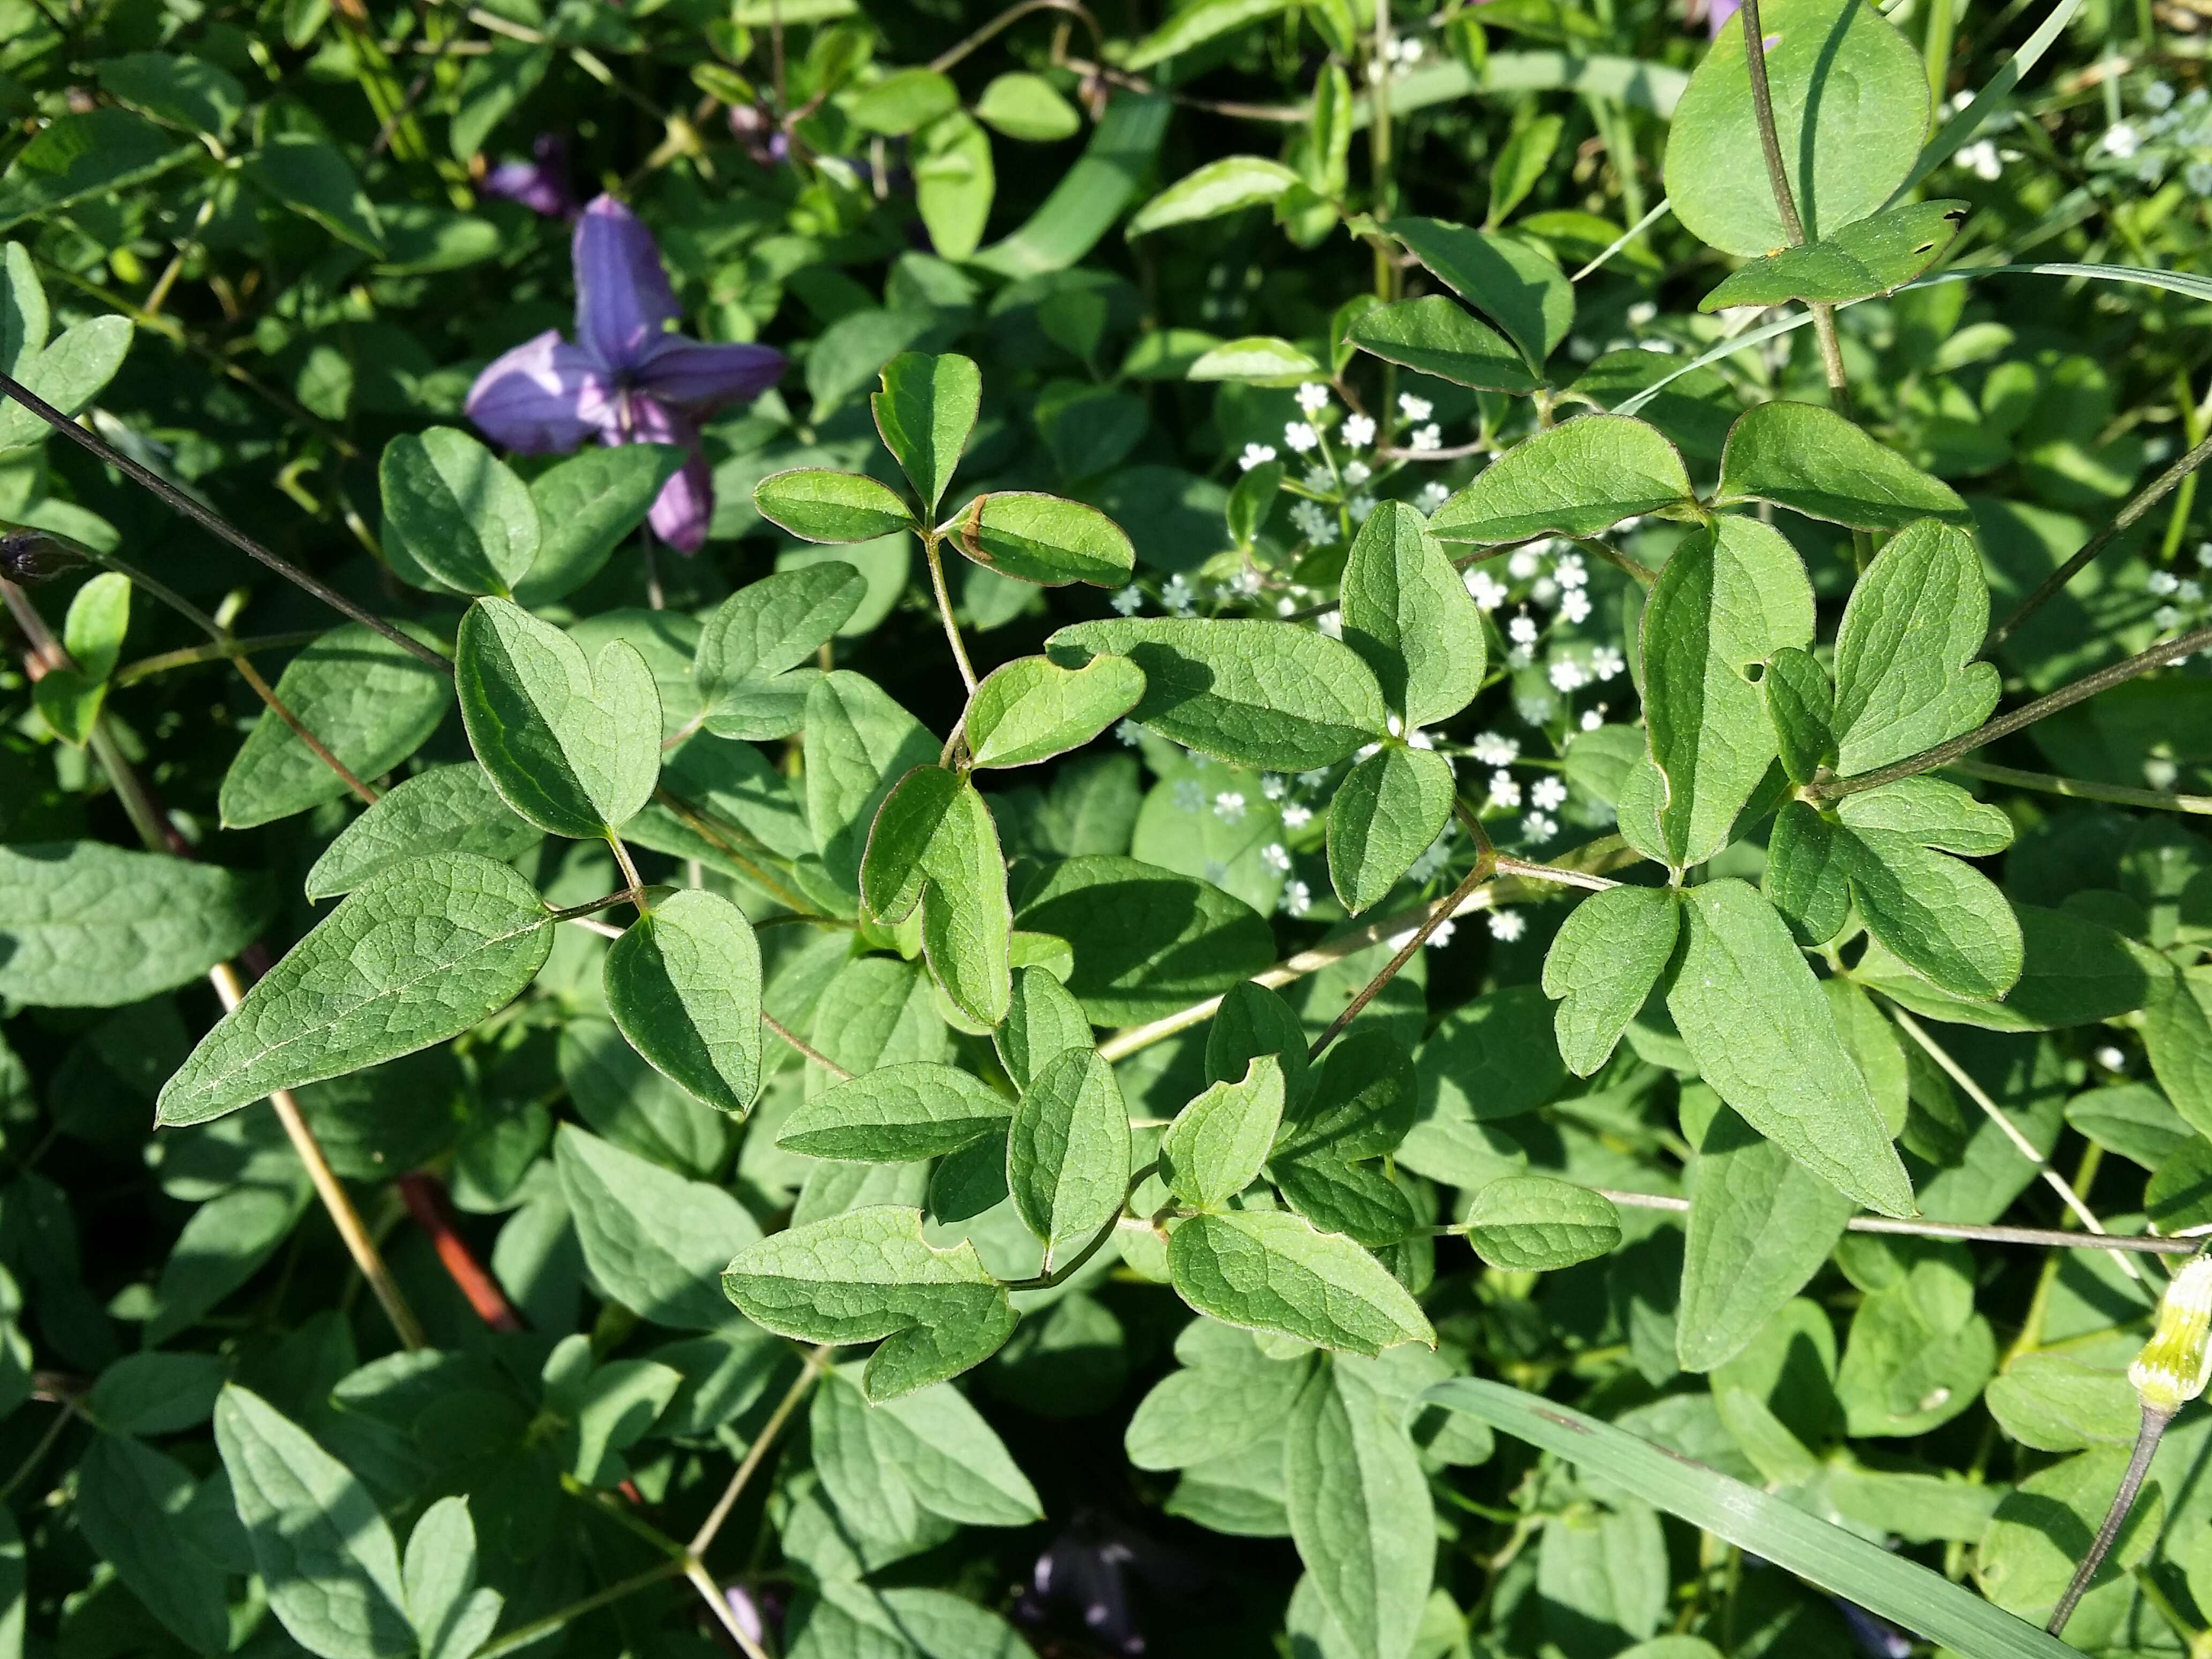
2119, 794
785, 1034
2154, 1419
945, 610
523, 1635
2172, 653
1485, 862
2045, 1237
424, 1195
815, 1363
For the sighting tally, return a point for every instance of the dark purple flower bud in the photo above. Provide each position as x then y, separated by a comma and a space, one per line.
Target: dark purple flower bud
32, 555
540, 185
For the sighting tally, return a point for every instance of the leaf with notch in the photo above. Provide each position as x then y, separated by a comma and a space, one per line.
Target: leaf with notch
572, 745
1930, 811
414, 956
935, 844
1387, 811
867, 1275
1410, 617
459, 510
1046, 539
683, 984
1523, 291
1603, 961
1906, 677
1213, 1149
1814, 461
1801, 705
859, 744
1940, 917
1269, 1271
1042, 1019
1574, 479
818, 505
1032, 708
1436, 336
1870, 257
896, 1114
654, 1240
750, 665
1067, 1150
924, 414
445, 809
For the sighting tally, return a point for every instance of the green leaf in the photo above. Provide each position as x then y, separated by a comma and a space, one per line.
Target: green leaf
1260, 358
653, 1241
1851, 109
1028, 108
1520, 164
1227, 185
1905, 675
925, 413
954, 183
1360, 1512
1042, 1020
315, 180
572, 745
904, 101
2177, 1032
446, 808
859, 744
1090, 195
68, 373
460, 511
818, 505
452, 1617
1765, 1038
1806, 877
1067, 1150
1815, 462
2032, 1549
1730, 596
1522, 290
1871, 257
133, 1506
370, 702
414, 955
1032, 708
84, 925
1774, 1528
866, 1275
2072, 972
1361, 1105
1213, 1149
1194, 24
69, 699
897, 1112
1147, 942
327, 1558
1265, 694
1387, 811
585, 506
933, 1448
181, 91
1801, 705
1044, 538
88, 155
1532, 1224
1269, 1271
751, 667
935, 844
1434, 336
2054, 1403
683, 983
149, 1392
1930, 812
1942, 918
1760, 1226
1603, 961
1574, 479
1408, 615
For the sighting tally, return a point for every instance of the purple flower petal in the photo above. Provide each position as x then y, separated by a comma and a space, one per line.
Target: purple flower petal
543, 396
540, 185
704, 378
685, 505
623, 298
1718, 13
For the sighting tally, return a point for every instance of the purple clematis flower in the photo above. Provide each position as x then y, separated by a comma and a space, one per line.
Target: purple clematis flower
542, 185
627, 379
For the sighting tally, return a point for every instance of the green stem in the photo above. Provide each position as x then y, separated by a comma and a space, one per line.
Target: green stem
523, 1635
945, 610
2154, 1419
2119, 794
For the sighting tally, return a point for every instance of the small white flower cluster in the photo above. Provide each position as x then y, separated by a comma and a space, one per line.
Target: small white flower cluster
2175, 136
1254, 455
2185, 597
1315, 523
1507, 925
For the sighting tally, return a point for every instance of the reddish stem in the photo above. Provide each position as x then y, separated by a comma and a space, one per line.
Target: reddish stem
425, 1196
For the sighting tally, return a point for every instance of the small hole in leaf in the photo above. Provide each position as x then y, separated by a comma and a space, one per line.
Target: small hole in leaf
1754, 671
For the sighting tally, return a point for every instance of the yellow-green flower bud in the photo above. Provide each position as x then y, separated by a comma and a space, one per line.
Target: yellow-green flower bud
2175, 1363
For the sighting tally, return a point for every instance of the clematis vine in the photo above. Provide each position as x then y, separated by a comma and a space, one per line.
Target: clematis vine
628, 378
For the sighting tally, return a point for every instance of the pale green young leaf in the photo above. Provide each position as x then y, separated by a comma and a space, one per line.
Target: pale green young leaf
1776, 1529
1213, 1149
2054, 1403
585, 506
1801, 705
907, 1110
1940, 917
1042, 1020
1930, 811
1844, 150
867, 1275
1067, 1151
1260, 358
818, 505
1522, 290
1408, 615
452, 1618
683, 983
1031, 708
1227, 185
370, 702
859, 744
654, 1240
324, 1551
1027, 108
459, 510
1815, 462
446, 808
954, 182
1574, 479
752, 668
1046, 539
903, 101
1197, 23
571, 745
924, 413
1360, 1512
1269, 1271
935, 844
133, 1505
1730, 596
1760, 1226
99, 616
1436, 336
414, 955
1520, 165
1603, 961
1386, 813
1147, 940
1905, 675
1535, 1223
1766, 1039
1260, 694
84, 924
1807, 877
1870, 257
